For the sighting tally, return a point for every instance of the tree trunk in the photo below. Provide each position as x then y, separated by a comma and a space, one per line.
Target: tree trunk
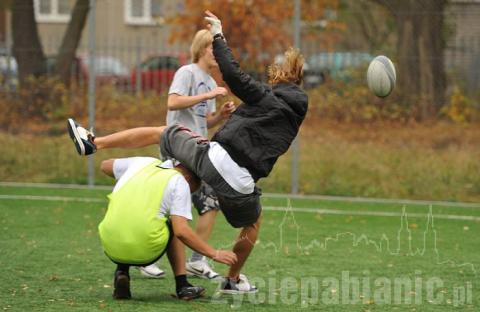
420, 49
407, 55
26, 43
71, 40
434, 47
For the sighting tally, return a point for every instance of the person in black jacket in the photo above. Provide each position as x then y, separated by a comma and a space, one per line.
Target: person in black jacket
241, 152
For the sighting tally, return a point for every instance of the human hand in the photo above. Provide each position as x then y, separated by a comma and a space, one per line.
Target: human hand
227, 109
217, 91
215, 23
225, 257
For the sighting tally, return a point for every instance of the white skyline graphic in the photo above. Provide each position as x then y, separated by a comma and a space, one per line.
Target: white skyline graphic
403, 240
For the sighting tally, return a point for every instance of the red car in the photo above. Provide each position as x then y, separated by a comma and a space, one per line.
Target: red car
156, 72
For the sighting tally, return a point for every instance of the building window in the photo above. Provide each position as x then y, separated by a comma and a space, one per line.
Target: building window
53, 11
143, 12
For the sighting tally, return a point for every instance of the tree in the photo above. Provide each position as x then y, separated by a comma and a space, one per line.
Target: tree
256, 30
420, 49
26, 43
27, 48
371, 27
71, 39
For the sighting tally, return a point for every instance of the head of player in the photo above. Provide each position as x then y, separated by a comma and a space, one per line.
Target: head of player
201, 50
290, 70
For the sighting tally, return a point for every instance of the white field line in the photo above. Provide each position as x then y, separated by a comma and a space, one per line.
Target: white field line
268, 208
274, 195
57, 186
54, 198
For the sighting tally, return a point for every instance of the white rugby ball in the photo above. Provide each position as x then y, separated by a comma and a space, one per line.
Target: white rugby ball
381, 76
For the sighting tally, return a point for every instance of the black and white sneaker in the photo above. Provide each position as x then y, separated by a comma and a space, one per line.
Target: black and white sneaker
121, 286
81, 137
242, 286
190, 292
201, 269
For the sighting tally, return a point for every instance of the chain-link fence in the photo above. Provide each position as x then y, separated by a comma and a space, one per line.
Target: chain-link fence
136, 71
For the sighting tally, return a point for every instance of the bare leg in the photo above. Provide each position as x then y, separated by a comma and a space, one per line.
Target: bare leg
205, 224
204, 229
243, 247
131, 138
176, 256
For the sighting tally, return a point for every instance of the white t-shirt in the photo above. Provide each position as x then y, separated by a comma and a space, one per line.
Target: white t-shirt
176, 196
237, 177
191, 80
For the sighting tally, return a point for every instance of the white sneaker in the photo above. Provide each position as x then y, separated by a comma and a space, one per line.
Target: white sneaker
151, 271
201, 269
243, 286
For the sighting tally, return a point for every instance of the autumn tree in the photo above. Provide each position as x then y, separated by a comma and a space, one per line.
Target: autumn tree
256, 30
420, 50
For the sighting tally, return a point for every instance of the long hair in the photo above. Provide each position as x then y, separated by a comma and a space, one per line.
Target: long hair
203, 38
290, 70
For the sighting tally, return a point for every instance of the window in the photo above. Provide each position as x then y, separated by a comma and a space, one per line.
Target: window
53, 11
143, 12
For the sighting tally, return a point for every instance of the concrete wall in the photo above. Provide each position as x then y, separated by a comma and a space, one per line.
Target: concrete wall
115, 36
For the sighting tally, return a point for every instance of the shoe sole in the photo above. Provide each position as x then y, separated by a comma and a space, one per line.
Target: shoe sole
122, 288
72, 130
193, 297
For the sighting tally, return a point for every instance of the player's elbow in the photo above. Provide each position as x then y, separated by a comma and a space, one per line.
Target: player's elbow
107, 167
181, 233
172, 103
180, 227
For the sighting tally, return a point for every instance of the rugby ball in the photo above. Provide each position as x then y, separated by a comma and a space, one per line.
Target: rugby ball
381, 76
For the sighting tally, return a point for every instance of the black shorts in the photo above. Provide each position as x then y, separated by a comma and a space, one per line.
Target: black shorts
191, 150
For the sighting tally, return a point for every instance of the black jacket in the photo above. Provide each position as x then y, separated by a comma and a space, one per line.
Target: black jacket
264, 126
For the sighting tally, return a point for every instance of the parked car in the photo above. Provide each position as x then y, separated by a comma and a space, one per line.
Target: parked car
108, 70
8, 71
337, 64
156, 72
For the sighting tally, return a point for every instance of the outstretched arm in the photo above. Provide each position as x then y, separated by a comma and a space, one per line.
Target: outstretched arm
241, 84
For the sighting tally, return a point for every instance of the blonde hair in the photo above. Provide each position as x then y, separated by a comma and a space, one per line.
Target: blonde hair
203, 38
290, 70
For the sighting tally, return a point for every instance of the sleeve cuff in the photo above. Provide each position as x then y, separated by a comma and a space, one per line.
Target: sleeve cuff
219, 36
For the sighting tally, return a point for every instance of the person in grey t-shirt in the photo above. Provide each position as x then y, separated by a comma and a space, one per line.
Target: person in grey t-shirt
191, 103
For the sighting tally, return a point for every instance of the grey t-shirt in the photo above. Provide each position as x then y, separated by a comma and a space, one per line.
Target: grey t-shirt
190, 80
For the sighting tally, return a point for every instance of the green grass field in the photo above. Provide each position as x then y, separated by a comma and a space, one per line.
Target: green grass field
312, 254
